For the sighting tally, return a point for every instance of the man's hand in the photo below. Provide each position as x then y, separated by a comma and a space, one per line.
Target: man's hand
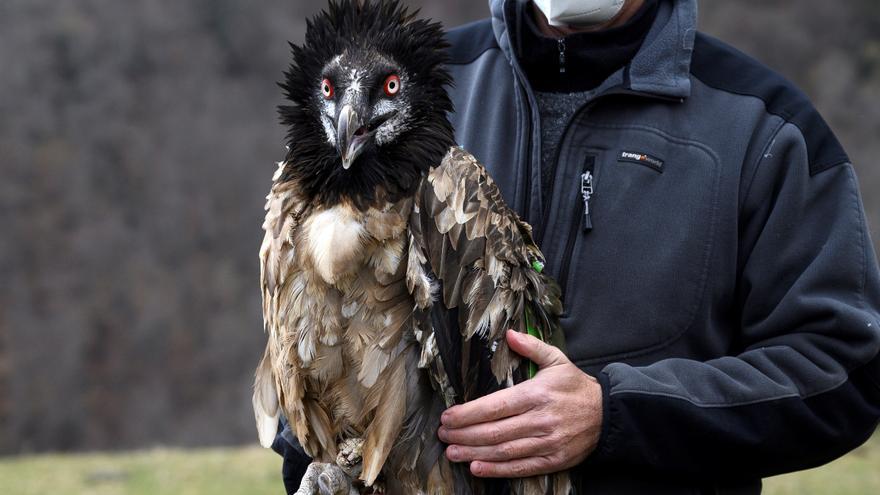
544, 425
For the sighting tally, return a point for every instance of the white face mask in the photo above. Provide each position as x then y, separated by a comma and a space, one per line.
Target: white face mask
579, 12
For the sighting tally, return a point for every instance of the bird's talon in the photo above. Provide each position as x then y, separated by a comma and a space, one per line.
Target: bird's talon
350, 456
378, 488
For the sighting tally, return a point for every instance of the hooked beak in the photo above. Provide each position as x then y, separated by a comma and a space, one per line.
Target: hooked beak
351, 136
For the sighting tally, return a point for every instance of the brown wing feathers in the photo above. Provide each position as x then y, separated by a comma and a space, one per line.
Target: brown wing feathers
482, 254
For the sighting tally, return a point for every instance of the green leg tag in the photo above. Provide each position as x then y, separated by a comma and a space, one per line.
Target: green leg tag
538, 266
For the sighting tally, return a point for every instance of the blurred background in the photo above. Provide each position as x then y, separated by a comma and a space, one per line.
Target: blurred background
137, 142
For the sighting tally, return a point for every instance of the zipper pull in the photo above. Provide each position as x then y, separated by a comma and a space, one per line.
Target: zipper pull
587, 194
560, 43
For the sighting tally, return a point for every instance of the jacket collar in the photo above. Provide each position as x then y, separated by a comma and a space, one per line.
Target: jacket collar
661, 68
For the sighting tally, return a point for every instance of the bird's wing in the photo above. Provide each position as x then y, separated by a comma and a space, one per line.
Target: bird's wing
469, 246
277, 384
272, 253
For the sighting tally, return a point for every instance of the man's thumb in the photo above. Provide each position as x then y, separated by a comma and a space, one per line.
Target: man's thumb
540, 353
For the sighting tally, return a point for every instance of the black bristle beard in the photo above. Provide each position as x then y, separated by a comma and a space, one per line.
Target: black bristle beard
381, 174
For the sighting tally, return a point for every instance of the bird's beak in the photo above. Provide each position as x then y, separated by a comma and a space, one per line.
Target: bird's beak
351, 136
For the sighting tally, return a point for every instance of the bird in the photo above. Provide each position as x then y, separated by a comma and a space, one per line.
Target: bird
391, 266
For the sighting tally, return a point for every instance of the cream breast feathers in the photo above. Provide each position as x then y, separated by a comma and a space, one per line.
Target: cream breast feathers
333, 239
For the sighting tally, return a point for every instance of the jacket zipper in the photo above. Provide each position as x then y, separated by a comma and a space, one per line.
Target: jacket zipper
587, 189
560, 44
528, 185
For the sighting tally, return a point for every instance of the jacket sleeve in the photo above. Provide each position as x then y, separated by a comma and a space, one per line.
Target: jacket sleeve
295, 460
802, 386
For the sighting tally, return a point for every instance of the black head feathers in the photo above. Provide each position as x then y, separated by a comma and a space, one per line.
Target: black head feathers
351, 50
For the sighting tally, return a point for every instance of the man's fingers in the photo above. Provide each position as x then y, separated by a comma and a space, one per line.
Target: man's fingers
542, 354
498, 405
497, 432
519, 468
520, 448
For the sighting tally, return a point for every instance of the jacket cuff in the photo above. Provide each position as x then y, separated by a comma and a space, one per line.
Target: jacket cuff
610, 430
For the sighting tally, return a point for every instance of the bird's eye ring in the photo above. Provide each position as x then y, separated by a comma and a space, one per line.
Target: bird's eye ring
392, 85
327, 89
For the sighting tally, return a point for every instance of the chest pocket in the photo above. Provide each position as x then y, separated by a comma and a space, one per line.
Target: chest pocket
635, 280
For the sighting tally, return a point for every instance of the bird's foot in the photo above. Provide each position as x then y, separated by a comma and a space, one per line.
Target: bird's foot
326, 479
350, 457
334, 481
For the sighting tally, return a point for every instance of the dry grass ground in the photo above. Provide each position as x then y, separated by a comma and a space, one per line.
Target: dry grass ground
250, 471
856, 474
254, 471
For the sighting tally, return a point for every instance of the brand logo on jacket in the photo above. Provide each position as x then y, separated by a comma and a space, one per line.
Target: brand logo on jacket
642, 159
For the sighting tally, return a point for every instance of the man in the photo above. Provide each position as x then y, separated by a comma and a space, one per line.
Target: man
722, 298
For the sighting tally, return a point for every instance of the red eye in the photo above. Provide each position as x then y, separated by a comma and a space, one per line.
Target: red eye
392, 85
327, 89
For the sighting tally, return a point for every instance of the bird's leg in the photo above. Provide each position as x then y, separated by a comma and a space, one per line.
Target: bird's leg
334, 481
350, 456
309, 483
325, 479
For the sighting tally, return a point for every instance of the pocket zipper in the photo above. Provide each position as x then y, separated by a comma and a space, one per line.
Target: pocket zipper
587, 195
587, 191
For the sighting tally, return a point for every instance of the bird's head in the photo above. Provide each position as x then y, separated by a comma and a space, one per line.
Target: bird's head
369, 103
